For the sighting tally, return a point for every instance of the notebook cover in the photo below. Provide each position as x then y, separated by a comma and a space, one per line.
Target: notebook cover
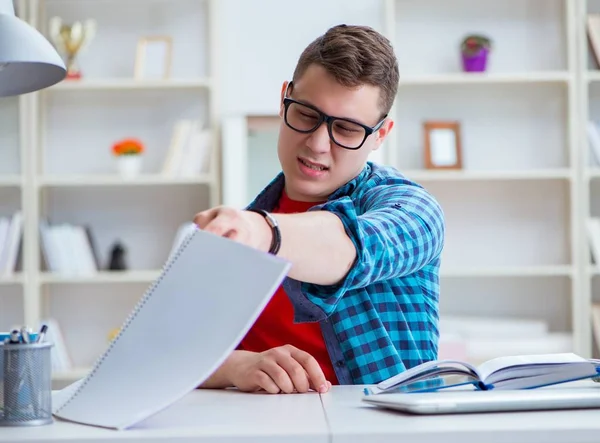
189, 320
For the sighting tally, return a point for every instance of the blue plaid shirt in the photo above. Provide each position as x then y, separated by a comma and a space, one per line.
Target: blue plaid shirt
382, 318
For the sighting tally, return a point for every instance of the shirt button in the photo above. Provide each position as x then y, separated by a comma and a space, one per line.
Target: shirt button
339, 363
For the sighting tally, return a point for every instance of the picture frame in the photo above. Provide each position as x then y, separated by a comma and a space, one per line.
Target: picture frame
443, 148
153, 58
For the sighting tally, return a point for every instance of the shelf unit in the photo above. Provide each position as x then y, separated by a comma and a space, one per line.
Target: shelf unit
589, 85
513, 211
60, 168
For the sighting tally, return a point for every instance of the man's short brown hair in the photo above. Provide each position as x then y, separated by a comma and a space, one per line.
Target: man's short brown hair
354, 56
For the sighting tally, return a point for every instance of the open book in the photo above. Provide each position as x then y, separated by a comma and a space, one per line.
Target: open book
512, 372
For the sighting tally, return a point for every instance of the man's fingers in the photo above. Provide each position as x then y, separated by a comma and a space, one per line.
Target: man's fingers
220, 226
312, 368
278, 374
295, 371
205, 217
265, 382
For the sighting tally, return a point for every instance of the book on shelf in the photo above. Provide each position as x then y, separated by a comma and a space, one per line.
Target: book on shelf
189, 151
593, 33
509, 372
478, 338
593, 234
68, 249
60, 359
11, 233
594, 140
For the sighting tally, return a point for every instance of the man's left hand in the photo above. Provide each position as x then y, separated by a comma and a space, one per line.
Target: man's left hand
244, 227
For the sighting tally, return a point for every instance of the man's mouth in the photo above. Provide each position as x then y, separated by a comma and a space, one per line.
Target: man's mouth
313, 166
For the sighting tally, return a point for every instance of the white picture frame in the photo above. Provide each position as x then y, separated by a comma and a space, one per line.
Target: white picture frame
153, 58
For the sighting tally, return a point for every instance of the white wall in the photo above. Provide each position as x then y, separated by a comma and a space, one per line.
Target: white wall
253, 69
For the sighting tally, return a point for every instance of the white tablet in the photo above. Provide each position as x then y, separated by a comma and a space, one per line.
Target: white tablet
456, 402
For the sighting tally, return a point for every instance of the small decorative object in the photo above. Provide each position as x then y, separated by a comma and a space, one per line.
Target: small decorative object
117, 260
129, 157
474, 51
71, 40
153, 58
442, 145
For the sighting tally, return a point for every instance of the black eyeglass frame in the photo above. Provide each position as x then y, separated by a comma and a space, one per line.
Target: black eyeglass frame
324, 118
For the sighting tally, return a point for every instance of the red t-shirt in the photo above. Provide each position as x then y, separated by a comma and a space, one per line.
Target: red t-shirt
275, 326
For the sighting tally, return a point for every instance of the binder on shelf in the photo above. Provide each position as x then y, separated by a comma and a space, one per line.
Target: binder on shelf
207, 296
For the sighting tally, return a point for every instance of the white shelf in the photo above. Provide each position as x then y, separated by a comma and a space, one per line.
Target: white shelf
15, 279
523, 271
10, 181
592, 76
129, 83
102, 277
115, 180
465, 175
486, 78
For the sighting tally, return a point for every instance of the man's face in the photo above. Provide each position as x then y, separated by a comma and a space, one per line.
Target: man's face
315, 166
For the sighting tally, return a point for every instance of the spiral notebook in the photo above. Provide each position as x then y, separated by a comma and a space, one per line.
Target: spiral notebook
208, 295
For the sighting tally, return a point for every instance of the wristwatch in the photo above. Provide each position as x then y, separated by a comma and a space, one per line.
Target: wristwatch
272, 222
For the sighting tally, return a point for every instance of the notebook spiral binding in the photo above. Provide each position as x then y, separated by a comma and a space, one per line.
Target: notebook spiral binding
130, 317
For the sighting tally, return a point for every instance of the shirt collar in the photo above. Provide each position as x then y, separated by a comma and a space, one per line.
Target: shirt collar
268, 197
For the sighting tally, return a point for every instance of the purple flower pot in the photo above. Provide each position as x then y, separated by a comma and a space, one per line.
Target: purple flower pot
475, 63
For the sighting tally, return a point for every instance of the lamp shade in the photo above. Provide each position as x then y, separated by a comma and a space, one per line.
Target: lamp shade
28, 62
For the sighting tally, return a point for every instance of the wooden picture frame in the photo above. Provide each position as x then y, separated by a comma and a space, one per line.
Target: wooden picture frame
153, 58
443, 148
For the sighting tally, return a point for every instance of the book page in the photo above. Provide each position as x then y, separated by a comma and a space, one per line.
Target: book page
430, 369
505, 363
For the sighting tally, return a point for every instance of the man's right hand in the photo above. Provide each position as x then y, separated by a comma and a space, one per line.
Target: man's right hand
284, 369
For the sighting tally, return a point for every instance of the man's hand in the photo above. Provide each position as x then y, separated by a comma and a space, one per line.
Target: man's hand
285, 369
244, 227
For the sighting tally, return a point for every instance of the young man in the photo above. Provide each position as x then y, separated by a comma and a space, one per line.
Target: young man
360, 303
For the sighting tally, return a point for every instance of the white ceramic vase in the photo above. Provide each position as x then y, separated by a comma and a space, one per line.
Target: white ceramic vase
129, 166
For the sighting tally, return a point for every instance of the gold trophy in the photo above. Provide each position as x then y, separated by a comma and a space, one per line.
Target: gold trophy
71, 40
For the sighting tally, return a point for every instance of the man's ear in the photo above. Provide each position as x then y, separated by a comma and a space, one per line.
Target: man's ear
283, 90
383, 132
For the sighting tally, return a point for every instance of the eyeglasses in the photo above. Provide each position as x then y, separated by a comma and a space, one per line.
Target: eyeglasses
345, 133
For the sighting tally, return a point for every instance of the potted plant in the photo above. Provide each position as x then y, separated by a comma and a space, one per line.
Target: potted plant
129, 156
474, 50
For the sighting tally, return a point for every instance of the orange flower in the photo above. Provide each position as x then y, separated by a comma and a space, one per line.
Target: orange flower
128, 146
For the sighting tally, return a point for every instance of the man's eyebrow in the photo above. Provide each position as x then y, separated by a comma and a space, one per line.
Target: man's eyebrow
350, 119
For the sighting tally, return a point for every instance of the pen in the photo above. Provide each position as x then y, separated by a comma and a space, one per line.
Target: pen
42, 333
25, 335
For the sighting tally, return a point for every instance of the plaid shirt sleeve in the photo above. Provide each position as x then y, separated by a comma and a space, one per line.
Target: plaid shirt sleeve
396, 229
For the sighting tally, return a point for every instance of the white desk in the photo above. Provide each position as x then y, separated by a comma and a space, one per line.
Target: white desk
350, 421
338, 416
202, 416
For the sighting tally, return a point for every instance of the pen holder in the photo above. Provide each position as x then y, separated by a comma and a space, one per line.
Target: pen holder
26, 384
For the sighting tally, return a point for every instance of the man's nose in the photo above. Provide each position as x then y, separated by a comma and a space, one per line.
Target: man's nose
319, 141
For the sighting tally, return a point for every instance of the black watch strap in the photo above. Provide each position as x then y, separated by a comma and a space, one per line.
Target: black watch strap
272, 222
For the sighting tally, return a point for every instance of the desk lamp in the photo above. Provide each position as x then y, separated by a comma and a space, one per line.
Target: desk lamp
28, 62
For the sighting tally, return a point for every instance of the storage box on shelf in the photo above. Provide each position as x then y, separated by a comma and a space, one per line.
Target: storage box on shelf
80, 203
517, 187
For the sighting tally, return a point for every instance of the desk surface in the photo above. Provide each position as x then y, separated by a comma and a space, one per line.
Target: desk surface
351, 420
340, 415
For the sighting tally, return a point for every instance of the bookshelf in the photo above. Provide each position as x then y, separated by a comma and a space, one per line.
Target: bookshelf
519, 184
516, 245
589, 81
57, 166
